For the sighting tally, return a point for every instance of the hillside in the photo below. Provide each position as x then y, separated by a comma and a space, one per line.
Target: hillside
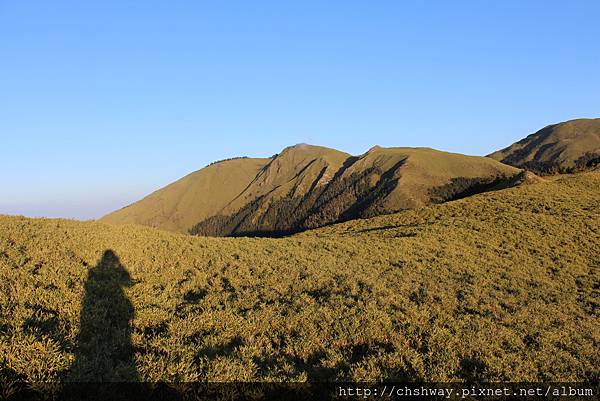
227, 186
308, 186
500, 286
560, 148
381, 181
192, 198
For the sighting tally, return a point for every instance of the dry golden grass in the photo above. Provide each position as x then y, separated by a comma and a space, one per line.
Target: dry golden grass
499, 286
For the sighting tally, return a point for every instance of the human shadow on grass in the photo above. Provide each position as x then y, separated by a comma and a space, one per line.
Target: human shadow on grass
104, 353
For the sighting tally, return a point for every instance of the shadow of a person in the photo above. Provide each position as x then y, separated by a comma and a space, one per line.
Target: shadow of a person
104, 351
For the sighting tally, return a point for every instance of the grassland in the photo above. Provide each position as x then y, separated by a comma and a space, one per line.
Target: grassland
499, 286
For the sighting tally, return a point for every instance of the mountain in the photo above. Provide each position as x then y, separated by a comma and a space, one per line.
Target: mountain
194, 197
560, 148
500, 286
380, 181
227, 186
308, 186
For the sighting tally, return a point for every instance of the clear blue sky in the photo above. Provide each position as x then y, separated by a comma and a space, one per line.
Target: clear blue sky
104, 101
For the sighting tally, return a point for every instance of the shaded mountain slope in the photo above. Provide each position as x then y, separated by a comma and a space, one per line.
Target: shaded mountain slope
380, 181
297, 170
500, 286
560, 148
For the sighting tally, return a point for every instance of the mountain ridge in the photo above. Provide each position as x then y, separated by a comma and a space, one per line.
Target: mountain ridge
564, 147
304, 186
381, 181
307, 186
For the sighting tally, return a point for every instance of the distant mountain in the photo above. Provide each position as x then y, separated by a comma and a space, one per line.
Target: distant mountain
308, 186
560, 148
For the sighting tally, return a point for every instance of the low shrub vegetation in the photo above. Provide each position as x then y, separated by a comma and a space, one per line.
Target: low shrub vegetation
499, 286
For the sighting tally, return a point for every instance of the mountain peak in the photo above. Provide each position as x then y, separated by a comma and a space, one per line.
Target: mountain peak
559, 148
305, 152
305, 147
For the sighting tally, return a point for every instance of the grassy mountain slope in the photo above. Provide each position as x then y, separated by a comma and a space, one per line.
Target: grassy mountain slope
308, 186
296, 170
380, 181
196, 196
227, 186
498, 286
565, 147
420, 170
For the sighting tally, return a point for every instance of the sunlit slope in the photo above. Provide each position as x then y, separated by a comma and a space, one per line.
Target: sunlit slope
225, 187
498, 286
565, 147
419, 171
195, 197
381, 181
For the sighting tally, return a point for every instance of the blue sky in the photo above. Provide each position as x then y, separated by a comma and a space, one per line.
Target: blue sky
102, 102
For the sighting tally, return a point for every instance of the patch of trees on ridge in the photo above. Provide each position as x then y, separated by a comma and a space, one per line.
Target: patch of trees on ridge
462, 187
585, 162
226, 160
